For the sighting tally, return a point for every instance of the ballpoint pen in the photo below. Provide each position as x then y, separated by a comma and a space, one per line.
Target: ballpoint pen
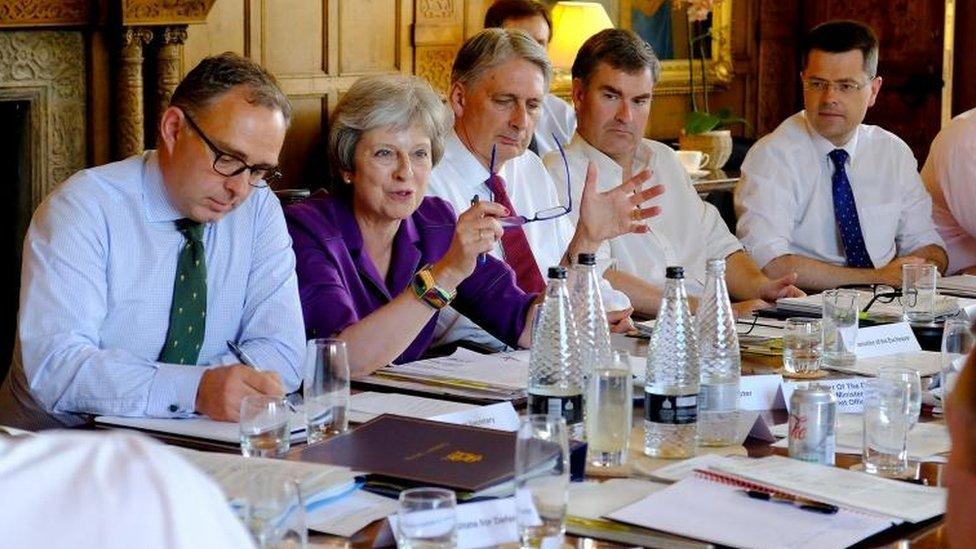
801, 503
248, 361
481, 257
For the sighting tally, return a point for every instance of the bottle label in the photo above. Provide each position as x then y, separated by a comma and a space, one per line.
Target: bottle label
671, 409
570, 407
718, 397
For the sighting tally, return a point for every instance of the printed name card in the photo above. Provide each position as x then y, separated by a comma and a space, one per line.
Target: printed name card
482, 524
886, 339
501, 416
849, 393
760, 392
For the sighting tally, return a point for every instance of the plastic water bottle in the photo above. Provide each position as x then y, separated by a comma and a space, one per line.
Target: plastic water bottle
591, 318
555, 377
720, 365
671, 389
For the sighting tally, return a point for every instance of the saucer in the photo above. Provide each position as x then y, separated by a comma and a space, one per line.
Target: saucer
697, 174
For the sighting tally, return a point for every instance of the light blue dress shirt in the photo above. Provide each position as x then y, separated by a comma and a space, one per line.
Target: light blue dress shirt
97, 283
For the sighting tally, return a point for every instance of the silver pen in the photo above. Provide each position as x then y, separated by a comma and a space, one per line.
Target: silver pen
290, 399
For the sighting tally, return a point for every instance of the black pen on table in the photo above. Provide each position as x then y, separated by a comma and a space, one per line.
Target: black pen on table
804, 504
481, 257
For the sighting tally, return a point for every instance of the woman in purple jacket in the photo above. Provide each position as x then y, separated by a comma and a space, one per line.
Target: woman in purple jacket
376, 259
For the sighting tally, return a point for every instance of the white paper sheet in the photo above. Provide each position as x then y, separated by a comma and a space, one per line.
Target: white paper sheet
842, 487
719, 513
367, 405
927, 363
199, 427
925, 440
507, 370
593, 500
350, 514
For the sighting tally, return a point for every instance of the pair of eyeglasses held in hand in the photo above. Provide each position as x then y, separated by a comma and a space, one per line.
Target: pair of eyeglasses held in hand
541, 215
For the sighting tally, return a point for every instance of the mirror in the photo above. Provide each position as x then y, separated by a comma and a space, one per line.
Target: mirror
666, 29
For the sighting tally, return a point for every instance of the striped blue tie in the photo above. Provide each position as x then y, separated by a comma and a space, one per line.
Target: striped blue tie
845, 212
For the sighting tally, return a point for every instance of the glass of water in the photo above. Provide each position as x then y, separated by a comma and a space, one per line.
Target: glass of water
275, 513
840, 322
887, 410
264, 426
802, 345
427, 518
914, 381
609, 411
957, 342
326, 388
541, 480
918, 292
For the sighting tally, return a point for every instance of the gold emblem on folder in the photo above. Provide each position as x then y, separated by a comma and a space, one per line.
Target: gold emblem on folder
463, 457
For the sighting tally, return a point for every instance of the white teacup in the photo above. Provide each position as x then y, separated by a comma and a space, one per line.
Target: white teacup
692, 160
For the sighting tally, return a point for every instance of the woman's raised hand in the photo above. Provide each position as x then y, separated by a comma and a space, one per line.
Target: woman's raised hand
475, 234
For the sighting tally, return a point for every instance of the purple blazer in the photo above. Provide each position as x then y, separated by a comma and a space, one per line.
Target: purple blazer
339, 285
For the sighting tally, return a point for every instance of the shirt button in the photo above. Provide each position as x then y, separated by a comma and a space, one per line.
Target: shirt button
174, 408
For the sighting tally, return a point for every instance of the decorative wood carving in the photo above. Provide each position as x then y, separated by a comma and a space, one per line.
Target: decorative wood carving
23, 13
437, 9
168, 67
434, 64
129, 130
150, 12
47, 69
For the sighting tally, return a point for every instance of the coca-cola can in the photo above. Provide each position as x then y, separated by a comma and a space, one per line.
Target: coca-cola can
812, 427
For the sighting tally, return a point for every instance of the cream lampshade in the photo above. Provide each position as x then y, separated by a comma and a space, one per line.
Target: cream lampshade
572, 24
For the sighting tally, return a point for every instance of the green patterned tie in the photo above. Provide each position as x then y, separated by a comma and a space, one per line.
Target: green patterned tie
188, 315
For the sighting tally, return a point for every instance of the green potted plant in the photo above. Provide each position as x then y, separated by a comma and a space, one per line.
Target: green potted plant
704, 130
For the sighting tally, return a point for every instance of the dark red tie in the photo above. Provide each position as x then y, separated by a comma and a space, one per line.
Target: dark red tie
518, 254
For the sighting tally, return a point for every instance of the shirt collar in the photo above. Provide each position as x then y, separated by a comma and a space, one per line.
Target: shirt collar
466, 162
823, 147
159, 209
607, 167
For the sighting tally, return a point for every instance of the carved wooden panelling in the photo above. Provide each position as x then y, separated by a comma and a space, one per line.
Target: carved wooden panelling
369, 34
164, 11
49, 66
434, 64
44, 12
292, 36
438, 22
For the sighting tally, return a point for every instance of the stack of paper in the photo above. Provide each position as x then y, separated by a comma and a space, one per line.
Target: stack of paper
202, 428
813, 304
964, 285
368, 405
500, 376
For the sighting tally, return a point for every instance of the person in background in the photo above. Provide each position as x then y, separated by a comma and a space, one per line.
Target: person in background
949, 175
498, 82
960, 471
613, 82
556, 117
112, 490
376, 259
827, 197
136, 273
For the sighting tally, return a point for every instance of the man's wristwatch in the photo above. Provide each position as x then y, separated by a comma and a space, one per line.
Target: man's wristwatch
428, 291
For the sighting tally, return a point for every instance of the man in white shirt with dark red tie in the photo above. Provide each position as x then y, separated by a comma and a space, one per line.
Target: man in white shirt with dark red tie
498, 81
825, 196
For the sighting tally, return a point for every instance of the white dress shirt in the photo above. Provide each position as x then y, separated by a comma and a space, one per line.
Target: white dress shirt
459, 177
558, 118
97, 284
785, 199
950, 177
688, 232
109, 490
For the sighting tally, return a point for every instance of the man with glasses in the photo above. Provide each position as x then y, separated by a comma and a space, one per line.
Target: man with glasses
137, 273
613, 81
827, 197
498, 82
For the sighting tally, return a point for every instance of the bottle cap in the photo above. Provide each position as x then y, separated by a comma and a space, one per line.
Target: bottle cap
558, 273
675, 272
586, 259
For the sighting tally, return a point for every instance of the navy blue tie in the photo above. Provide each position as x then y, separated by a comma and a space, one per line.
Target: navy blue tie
845, 212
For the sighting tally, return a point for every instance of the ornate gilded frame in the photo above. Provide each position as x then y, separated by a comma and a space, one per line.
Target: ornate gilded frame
674, 75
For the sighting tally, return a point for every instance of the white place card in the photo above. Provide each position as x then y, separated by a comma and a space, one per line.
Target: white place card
849, 392
886, 339
759, 392
501, 416
482, 524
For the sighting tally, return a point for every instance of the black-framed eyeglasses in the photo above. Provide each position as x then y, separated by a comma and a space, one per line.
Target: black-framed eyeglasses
541, 215
880, 293
229, 165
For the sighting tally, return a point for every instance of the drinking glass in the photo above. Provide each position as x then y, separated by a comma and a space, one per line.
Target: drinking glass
541, 480
609, 411
918, 292
276, 513
802, 345
957, 342
427, 518
326, 388
887, 409
914, 381
840, 322
264, 426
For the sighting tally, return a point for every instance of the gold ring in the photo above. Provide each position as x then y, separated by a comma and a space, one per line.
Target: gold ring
635, 214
